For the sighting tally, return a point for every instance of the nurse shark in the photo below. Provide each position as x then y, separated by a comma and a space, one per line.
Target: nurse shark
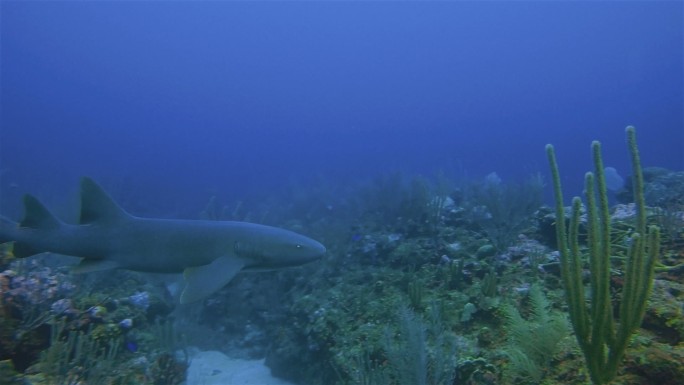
208, 253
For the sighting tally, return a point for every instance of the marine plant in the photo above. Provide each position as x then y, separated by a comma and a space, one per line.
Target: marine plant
416, 293
167, 370
453, 274
503, 210
423, 354
602, 340
74, 356
533, 341
368, 371
407, 204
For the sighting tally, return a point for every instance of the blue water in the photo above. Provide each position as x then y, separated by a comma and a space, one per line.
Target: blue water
171, 102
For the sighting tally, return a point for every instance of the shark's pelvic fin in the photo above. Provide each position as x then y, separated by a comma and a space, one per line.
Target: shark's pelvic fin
37, 216
201, 281
23, 250
90, 265
98, 206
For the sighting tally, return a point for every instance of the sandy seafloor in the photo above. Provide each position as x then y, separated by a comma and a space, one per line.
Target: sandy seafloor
215, 368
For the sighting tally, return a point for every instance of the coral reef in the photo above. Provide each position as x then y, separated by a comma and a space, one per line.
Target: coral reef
331, 321
57, 328
417, 287
337, 329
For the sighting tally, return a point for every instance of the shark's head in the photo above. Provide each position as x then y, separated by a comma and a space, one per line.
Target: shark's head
280, 248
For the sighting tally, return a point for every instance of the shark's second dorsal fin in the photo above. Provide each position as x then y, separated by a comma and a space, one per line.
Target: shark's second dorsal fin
97, 205
38, 216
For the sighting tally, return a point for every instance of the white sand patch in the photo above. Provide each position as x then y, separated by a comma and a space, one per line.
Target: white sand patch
215, 368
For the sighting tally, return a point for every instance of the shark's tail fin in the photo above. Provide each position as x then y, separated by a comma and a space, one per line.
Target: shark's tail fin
7, 227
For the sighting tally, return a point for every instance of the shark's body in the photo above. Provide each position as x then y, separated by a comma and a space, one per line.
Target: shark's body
209, 253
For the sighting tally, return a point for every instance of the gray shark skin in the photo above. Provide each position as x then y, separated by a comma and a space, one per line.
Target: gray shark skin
209, 253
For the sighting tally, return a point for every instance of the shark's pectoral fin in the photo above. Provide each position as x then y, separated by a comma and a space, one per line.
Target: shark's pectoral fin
201, 281
23, 250
90, 265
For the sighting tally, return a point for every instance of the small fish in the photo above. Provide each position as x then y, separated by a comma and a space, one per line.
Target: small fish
131, 346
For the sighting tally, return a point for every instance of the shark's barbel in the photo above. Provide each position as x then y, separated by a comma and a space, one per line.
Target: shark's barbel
209, 253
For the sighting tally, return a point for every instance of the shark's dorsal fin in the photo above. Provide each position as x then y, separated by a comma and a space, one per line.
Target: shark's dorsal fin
38, 216
97, 205
201, 281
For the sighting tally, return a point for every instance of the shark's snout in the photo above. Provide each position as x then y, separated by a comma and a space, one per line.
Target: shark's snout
311, 250
320, 251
